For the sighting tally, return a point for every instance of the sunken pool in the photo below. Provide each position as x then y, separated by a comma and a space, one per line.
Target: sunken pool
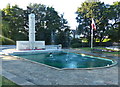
65, 60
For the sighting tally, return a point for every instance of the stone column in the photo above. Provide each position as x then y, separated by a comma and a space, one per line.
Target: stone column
31, 31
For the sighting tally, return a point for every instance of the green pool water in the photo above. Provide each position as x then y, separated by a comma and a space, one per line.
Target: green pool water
68, 60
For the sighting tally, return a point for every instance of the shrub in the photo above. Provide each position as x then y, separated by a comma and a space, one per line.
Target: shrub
75, 40
76, 45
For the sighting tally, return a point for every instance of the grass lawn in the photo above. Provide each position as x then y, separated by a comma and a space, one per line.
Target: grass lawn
89, 49
4, 82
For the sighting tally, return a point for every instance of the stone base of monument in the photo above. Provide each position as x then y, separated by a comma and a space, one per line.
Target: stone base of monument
27, 45
45, 49
31, 46
21, 52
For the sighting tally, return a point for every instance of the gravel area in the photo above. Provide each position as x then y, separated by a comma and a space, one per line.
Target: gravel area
42, 75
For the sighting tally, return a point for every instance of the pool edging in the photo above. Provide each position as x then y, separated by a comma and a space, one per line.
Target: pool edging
115, 63
35, 62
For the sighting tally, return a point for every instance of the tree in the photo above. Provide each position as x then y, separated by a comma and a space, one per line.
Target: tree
63, 34
100, 13
48, 23
114, 32
13, 17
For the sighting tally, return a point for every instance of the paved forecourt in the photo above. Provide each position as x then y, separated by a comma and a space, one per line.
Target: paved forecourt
24, 72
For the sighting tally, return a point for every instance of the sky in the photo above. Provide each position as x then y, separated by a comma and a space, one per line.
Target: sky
66, 7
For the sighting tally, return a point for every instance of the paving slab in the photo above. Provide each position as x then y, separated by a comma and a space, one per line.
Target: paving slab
42, 75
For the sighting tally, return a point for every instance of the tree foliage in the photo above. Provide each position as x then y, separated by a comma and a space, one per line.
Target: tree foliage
48, 23
114, 32
102, 14
13, 23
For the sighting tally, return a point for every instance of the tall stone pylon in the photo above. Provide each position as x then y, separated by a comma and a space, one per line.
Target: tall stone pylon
32, 31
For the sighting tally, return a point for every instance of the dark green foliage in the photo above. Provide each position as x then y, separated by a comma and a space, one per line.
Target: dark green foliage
102, 14
48, 25
79, 45
76, 45
63, 37
114, 32
105, 44
96, 10
76, 40
12, 23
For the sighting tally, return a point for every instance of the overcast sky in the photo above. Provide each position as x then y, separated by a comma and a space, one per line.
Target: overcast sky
68, 7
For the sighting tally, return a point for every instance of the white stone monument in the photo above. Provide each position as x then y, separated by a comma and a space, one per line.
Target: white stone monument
32, 31
31, 44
